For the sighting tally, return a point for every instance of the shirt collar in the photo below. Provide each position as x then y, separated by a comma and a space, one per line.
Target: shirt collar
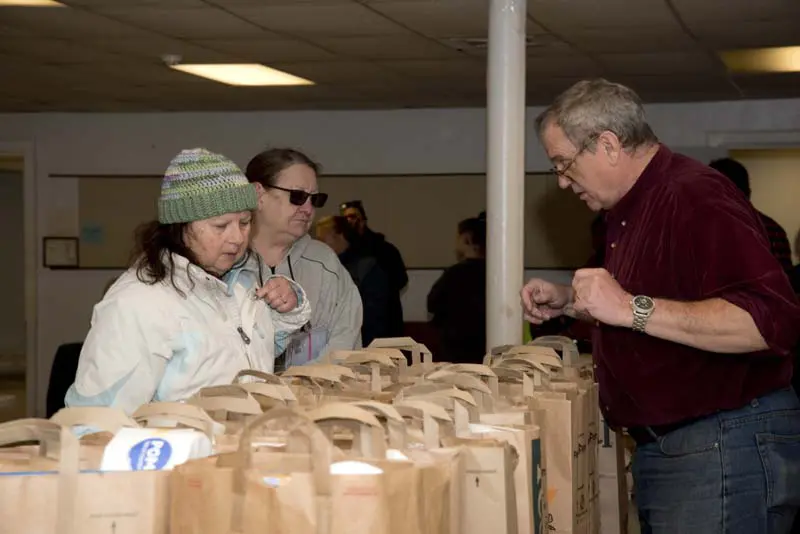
652, 175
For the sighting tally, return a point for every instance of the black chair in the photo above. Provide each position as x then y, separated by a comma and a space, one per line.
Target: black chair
62, 375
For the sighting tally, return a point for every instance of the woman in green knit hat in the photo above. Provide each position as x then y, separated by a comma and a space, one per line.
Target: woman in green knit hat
194, 308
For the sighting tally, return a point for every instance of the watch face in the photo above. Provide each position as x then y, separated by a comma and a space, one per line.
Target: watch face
643, 303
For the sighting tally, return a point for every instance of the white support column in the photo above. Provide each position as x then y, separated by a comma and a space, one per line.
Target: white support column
505, 184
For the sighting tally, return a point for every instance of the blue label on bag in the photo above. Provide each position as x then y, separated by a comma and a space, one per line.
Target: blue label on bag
151, 454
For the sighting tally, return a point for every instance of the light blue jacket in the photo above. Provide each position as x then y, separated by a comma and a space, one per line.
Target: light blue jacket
149, 343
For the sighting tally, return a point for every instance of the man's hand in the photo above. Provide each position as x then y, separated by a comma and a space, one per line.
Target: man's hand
543, 300
279, 294
599, 296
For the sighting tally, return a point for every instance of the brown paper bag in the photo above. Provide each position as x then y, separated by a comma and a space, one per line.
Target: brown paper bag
49, 494
294, 491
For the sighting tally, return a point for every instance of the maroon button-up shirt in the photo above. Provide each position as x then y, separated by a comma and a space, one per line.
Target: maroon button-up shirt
684, 233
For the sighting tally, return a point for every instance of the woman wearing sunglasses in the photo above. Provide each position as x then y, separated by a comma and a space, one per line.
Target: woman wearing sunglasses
193, 310
288, 196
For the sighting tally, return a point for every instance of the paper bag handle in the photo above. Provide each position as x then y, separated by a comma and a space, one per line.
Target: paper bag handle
396, 431
105, 418
188, 415
51, 434
420, 355
431, 416
361, 421
460, 380
477, 369
546, 356
329, 372
254, 373
569, 351
229, 398
280, 392
321, 453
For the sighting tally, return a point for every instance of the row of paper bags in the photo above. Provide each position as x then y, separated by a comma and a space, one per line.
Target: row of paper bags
361, 442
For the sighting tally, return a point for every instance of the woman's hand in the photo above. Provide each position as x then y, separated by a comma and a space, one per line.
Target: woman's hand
279, 294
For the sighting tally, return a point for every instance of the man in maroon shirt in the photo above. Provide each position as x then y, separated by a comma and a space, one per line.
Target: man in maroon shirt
696, 318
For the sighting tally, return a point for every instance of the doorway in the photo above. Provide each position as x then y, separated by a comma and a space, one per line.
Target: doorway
18, 273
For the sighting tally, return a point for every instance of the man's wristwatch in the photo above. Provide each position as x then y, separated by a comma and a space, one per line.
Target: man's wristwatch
643, 308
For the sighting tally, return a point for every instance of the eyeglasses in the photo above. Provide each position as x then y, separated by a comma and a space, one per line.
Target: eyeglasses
562, 172
298, 197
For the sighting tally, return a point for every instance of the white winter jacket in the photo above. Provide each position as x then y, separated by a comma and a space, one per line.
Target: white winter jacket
149, 343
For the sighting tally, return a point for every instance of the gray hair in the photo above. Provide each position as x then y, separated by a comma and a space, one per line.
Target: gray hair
591, 107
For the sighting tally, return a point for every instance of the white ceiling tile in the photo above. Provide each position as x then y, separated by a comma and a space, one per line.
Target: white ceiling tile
54, 50
65, 23
338, 72
261, 3
268, 50
561, 66
668, 63
664, 82
754, 34
745, 11
197, 23
349, 20
388, 47
560, 15
155, 47
646, 39
362, 59
441, 19
133, 3
439, 68
11, 31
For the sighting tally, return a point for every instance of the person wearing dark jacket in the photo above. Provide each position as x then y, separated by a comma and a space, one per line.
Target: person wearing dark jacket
778, 240
457, 300
387, 254
381, 302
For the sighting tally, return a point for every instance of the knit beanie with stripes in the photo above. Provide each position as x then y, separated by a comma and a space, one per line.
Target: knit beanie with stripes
200, 185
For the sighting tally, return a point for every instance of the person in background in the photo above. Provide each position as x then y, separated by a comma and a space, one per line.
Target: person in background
457, 300
379, 299
193, 309
388, 256
778, 241
288, 197
697, 321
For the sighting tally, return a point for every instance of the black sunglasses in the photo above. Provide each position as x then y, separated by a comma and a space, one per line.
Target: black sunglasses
298, 197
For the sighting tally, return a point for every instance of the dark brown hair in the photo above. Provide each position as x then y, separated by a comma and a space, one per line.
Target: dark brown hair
152, 255
475, 227
265, 167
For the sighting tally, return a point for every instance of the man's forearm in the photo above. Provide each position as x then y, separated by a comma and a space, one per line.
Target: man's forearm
714, 325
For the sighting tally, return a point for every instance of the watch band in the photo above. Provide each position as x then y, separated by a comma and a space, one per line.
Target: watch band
639, 321
642, 308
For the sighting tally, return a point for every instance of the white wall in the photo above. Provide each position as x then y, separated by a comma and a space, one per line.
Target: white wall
403, 141
12, 267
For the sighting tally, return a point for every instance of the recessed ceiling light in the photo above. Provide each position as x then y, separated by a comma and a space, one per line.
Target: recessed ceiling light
778, 59
248, 74
30, 3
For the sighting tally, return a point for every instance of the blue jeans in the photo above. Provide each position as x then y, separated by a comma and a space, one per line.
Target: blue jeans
735, 472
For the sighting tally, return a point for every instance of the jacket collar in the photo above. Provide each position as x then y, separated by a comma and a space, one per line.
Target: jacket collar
188, 276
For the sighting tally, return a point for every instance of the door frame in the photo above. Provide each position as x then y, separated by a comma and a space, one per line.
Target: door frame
26, 150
